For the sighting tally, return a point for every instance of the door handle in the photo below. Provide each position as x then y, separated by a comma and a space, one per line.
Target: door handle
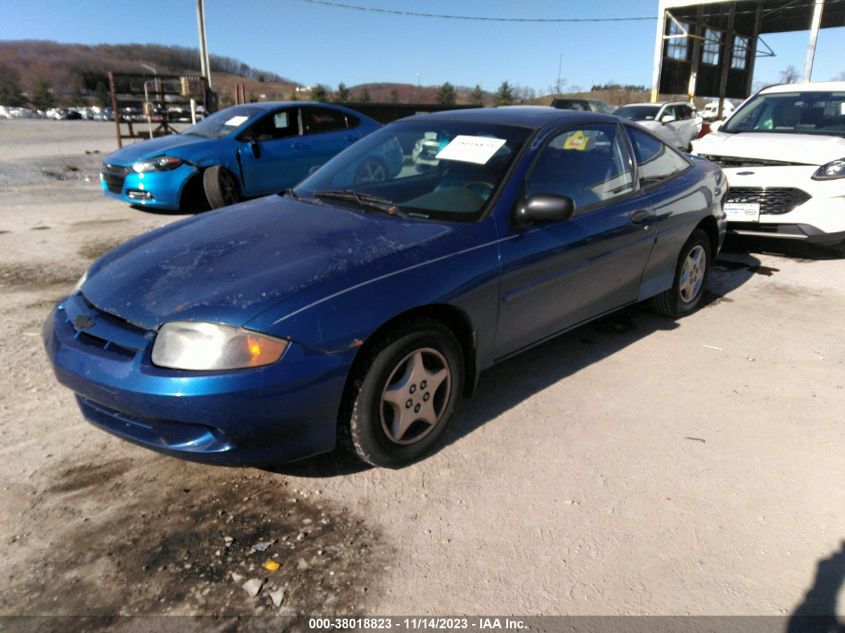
351, 138
298, 145
640, 217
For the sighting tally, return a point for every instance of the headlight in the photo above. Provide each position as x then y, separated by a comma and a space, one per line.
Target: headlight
208, 347
159, 163
79, 283
831, 170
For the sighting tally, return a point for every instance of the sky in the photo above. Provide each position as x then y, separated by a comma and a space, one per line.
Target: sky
313, 43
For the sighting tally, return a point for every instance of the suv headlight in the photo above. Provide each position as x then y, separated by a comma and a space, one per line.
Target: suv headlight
210, 347
159, 163
831, 170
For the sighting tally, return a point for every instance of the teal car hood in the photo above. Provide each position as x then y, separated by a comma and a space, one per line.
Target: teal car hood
181, 145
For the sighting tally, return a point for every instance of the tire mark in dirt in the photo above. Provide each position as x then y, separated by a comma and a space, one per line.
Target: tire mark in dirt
173, 538
34, 277
94, 249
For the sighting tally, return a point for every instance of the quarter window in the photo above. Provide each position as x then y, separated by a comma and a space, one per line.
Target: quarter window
588, 164
655, 160
712, 43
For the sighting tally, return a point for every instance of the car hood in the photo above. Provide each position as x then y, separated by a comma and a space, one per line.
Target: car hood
155, 147
228, 266
804, 149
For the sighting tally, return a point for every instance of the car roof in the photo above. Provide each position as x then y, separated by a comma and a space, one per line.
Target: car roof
657, 104
818, 86
269, 105
524, 116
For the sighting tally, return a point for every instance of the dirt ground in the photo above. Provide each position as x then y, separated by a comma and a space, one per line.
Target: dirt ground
634, 466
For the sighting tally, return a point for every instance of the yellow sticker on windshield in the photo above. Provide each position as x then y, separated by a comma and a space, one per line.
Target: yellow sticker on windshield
577, 141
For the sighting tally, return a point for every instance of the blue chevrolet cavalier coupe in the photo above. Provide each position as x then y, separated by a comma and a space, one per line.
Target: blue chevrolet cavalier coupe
364, 311
240, 152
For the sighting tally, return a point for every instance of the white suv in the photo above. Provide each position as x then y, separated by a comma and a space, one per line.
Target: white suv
677, 124
783, 152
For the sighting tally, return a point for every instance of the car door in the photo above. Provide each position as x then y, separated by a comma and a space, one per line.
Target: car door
329, 132
687, 125
669, 129
273, 153
557, 275
676, 205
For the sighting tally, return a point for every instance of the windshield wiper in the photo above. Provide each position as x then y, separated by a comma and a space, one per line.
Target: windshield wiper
364, 200
291, 193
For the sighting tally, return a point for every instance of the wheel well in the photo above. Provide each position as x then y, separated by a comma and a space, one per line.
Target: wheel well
193, 195
453, 318
710, 227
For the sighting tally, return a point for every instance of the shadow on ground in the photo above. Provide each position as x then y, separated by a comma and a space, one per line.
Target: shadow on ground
817, 613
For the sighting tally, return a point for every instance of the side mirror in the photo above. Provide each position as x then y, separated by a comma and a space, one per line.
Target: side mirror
666, 118
541, 208
255, 147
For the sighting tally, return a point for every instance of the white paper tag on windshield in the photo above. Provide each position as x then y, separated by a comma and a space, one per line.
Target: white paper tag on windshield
471, 149
235, 121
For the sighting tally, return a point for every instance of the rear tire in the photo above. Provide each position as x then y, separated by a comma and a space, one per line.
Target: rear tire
404, 395
691, 274
220, 186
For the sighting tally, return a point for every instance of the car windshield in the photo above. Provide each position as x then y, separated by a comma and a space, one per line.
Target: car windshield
437, 169
638, 112
223, 123
791, 113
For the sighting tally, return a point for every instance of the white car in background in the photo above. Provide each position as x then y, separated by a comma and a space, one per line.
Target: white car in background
677, 124
783, 152
711, 110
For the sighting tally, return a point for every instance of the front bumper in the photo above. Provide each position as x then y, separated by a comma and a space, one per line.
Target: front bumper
255, 417
819, 219
156, 189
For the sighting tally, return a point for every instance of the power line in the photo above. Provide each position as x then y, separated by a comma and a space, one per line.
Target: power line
480, 18
787, 6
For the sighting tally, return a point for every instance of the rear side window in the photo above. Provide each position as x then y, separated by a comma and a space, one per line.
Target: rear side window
323, 120
656, 161
589, 164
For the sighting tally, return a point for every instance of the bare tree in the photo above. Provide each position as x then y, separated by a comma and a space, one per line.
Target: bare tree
789, 75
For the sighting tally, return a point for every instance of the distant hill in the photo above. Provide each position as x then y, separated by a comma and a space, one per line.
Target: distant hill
75, 71
71, 74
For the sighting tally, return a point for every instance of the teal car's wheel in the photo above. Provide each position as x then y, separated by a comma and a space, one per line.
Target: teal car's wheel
221, 188
407, 393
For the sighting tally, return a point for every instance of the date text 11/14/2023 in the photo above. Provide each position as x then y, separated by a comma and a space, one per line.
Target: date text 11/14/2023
418, 623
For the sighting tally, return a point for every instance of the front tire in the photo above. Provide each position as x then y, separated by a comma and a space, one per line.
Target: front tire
220, 186
406, 393
691, 274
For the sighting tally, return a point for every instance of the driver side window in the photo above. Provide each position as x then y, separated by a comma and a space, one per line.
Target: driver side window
588, 164
276, 125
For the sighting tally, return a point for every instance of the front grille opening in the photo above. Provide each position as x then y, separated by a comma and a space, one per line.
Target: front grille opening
772, 200
107, 346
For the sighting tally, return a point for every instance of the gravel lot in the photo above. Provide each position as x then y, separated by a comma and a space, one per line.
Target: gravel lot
634, 466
